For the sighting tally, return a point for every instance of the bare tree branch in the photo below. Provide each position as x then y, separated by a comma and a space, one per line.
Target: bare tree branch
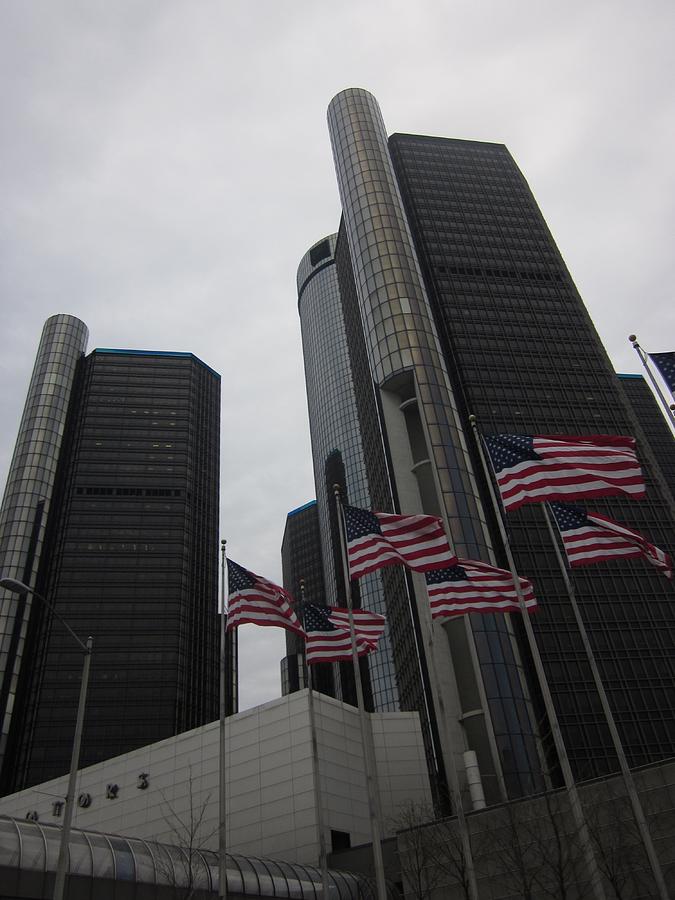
184, 869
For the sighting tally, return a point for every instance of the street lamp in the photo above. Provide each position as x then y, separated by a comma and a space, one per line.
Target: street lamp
18, 587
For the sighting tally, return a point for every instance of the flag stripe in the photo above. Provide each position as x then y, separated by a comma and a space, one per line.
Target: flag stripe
375, 540
483, 588
532, 469
589, 538
254, 600
336, 645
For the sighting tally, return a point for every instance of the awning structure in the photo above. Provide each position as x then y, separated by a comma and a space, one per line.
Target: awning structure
27, 846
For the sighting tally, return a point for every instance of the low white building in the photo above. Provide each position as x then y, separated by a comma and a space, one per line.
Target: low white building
168, 791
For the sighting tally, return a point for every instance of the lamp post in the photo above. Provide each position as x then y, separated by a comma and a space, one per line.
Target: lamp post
17, 587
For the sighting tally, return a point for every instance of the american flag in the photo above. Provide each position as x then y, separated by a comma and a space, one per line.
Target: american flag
254, 599
589, 538
531, 469
474, 586
328, 638
665, 363
376, 539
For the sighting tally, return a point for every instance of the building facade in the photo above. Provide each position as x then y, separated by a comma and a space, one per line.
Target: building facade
302, 570
448, 298
130, 557
270, 788
526, 358
28, 494
650, 417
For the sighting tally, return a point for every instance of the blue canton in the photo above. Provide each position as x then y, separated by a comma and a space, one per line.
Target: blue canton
360, 523
316, 618
452, 573
507, 450
568, 517
237, 577
665, 363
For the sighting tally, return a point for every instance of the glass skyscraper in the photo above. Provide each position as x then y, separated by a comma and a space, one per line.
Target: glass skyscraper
525, 357
449, 297
649, 414
28, 498
302, 569
130, 556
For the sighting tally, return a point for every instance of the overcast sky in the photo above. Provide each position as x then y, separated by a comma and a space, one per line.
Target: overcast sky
166, 164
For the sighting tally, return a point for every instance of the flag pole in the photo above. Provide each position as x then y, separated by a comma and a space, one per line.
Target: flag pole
568, 777
222, 824
631, 790
457, 804
451, 768
323, 856
643, 357
366, 734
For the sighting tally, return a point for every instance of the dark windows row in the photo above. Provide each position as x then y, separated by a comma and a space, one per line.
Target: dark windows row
491, 272
128, 492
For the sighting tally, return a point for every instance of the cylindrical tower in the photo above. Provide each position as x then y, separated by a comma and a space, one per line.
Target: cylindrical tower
28, 492
337, 439
405, 353
429, 461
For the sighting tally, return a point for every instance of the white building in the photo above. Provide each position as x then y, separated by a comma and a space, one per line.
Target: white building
163, 791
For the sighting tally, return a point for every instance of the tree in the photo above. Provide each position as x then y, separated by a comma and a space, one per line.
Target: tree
530, 849
181, 863
616, 840
449, 857
416, 841
433, 862
510, 848
559, 850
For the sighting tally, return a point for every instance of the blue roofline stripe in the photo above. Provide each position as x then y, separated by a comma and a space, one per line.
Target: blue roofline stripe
300, 508
622, 375
157, 353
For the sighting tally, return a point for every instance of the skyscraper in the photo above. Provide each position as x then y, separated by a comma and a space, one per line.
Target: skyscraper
302, 565
28, 495
448, 297
131, 557
302, 568
650, 417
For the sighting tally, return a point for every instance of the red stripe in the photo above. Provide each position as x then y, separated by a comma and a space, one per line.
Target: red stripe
486, 585
573, 468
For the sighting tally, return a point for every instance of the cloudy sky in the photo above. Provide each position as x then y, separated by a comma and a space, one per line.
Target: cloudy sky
166, 163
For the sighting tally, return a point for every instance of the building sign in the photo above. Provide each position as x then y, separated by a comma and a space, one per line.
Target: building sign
85, 799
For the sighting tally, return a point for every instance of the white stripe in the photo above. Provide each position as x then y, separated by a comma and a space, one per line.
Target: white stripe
615, 528
569, 489
621, 552
511, 476
473, 605
397, 544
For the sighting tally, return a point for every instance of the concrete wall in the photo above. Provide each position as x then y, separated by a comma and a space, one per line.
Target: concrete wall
534, 844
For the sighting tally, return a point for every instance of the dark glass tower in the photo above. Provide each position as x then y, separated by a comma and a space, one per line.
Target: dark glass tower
524, 356
301, 553
302, 563
452, 298
651, 419
130, 557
